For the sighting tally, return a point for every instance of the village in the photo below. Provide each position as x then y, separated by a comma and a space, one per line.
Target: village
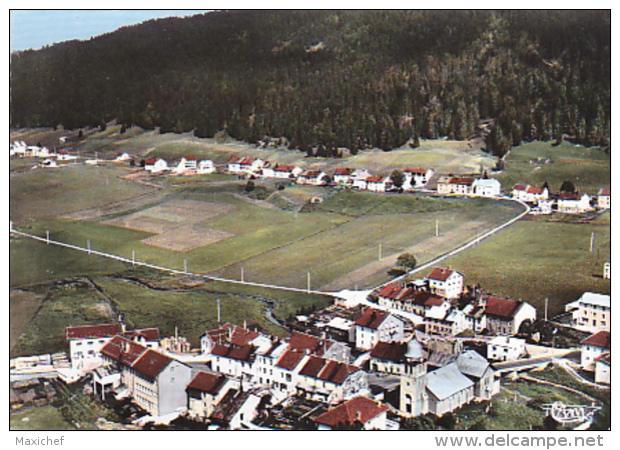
373, 360
540, 199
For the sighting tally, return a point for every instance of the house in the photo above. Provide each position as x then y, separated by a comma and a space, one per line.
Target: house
359, 177
446, 282
63, 155
287, 172
312, 177
250, 166
519, 192
340, 329
186, 165
206, 166
375, 325
573, 203
593, 347
475, 317
358, 411
448, 389
232, 360
205, 391
505, 316
487, 187
264, 367
505, 348
536, 195
148, 337
286, 370
343, 176
122, 156
602, 369
234, 165
604, 199
456, 186
155, 165
392, 357
86, 342
226, 334
478, 369
155, 382
331, 381
377, 184
591, 311
416, 178
313, 345
607, 271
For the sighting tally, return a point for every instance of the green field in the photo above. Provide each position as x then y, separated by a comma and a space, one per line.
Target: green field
589, 169
534, 260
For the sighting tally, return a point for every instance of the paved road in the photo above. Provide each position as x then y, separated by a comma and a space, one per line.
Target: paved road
531, 362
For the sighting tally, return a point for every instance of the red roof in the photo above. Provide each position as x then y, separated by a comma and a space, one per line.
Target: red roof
284, 169
502, 307
207, 382
534, 190
151, 363
312, 367
327, 370
374, 179
150, 334
440, 274
302, 341
93, 331
239, 353
247, 161
604, 358
343, 171
389, 351
519, 187
466, 181
359, 409
234, 160
190, 158
312, 174
418, 171
372, 318
391, 290
601, 339
290, 359
122, 350
606, 192
150, 161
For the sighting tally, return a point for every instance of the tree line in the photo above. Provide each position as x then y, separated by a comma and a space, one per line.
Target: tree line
327, 80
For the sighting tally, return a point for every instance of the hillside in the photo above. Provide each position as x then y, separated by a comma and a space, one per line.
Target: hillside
326, 80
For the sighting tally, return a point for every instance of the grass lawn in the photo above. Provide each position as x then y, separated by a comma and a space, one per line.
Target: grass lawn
535, 260
589, 169
41, 418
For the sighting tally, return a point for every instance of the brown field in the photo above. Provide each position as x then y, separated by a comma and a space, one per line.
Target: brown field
176, 224
186, 238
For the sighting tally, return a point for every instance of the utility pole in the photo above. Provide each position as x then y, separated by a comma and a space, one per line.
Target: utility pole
219, 311
185, 265
436, 227
133, 257
546, 307
47, 234
308, 281
242, 274
592, 243
380, 252
88, 245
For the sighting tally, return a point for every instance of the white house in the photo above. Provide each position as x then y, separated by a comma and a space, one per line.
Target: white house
573, 203
360, 411
602, 369
505, 348
287, 172
519, 192
456, 186
186, 165
505, 316
535, 194
312, 177
591, 311
377, 184
593, 347
487, 187
446, 282
120, 157
376, 325
234, 165
284, 375
343, 176
206, 166
86, 342
251, 166
155, 165
416, 178
359, 177
604, 199
607, 271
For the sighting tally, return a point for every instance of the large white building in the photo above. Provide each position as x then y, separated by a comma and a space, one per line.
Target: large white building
445, 282
593, 347
591, 311
505, 348
487, 187
86, 342
376, 325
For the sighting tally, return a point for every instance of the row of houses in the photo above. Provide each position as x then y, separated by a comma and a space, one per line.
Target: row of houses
188, 165
565, 202
468, 186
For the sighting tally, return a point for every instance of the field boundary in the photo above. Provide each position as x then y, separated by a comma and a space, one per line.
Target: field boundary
264, 285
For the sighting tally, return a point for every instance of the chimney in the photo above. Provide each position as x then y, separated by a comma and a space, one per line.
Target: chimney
358, 416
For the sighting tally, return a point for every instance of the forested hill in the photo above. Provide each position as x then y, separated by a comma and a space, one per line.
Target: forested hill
328, 79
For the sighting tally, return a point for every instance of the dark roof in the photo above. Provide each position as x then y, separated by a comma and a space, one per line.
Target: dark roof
327, 370
151, 363
372, 318
604, 192
122, 350
502, 307
312, 367
374, 179
234, 159
207, 382
423, 298
466, 181
418, 171
359, 409
239, 353
93, 331
601, 339
313, 344
519, 187
343, 171
389, 351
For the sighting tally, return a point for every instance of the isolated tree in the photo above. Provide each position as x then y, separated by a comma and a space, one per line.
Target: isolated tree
568, 186
398, 179
407, 261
